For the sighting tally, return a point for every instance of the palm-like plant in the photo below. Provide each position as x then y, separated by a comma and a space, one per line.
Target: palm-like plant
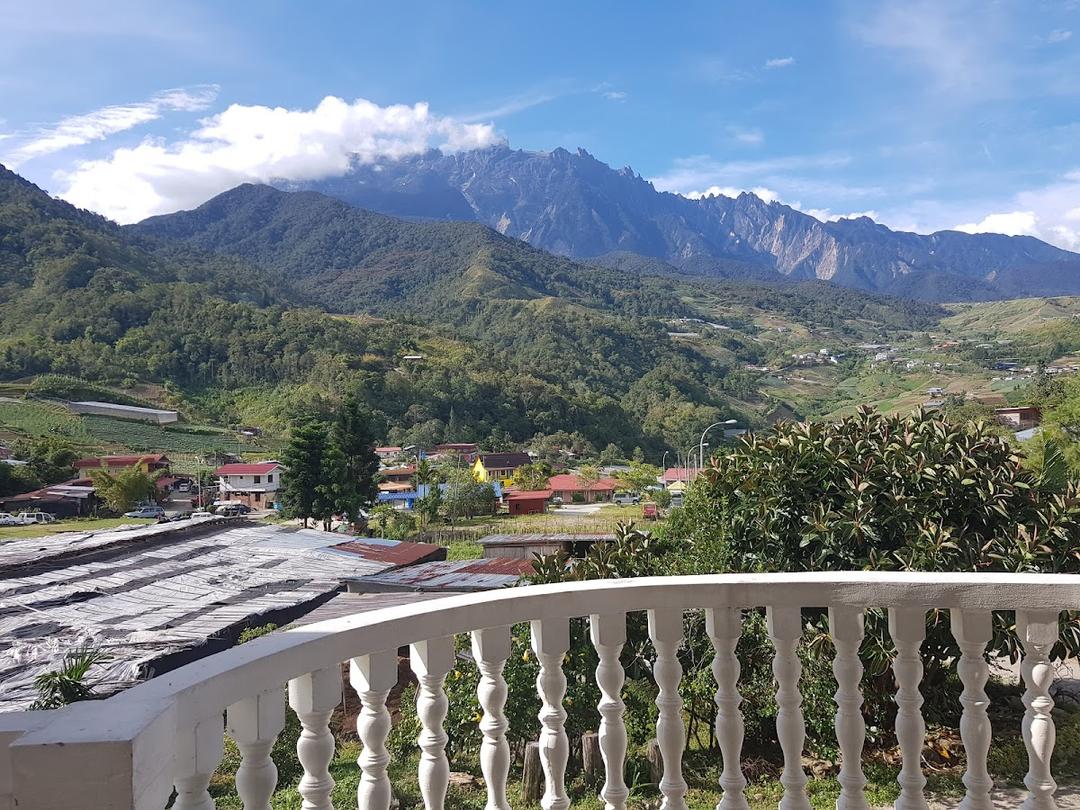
66, 685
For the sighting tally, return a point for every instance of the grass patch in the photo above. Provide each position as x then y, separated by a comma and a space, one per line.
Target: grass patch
35, 418
74, 525
145, 437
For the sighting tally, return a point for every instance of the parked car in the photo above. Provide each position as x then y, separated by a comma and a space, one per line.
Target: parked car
8, 519
626, 498
30, 518
232, 509
154, 512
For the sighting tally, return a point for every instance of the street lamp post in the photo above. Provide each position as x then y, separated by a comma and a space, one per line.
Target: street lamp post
701, 444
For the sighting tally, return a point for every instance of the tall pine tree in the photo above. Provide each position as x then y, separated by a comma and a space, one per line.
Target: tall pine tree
353, 463
303, 484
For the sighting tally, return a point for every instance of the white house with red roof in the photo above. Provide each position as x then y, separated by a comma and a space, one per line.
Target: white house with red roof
254, 485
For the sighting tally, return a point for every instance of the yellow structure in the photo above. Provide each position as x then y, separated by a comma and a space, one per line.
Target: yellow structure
500, 467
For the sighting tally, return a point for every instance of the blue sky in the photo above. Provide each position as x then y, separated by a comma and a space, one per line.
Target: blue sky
926, 114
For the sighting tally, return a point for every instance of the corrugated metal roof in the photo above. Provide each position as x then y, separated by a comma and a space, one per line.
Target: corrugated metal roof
448, 575
541, 539
164, 589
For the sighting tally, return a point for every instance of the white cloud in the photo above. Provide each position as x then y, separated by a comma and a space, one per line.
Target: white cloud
955, 44
615, 95
781, 62
702, 171
1013, 223
751, 136
1059, 35
258, 144
78, 130
767, 194
826, 215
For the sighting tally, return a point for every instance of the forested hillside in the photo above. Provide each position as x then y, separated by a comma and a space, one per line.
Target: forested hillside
262, 304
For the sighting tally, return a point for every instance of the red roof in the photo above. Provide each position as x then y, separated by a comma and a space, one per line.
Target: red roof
680, 474
570, 483
248, 469
122, 461
529, 495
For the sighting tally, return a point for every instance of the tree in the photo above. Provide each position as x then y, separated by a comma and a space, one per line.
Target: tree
532, 476
426, 473
66, 685
911, 493
640, 476
611, 454
588, 475
303, 459
125, 489
466, 497
351, 461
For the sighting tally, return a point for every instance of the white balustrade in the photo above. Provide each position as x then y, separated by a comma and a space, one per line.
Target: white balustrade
973, 630
550, 643
491, 648
1038, 631
666, 632
198, 753
254, 724
314, 697
608, 633
907, 627
786, 629
724, 627
846, 627
432, 660
128, 751
373, 676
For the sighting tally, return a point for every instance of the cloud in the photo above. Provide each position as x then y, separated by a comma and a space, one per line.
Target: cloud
702, 171
252, 143
767, 194
98, 125
1050, 213
615, 95
826, 215
955, 44
751, 136
1014, 223
782, 62
1058, 35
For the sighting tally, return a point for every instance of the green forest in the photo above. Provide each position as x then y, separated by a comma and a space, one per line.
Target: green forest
262, 305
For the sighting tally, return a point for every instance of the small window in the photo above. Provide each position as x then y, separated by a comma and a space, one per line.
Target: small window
258, 479
270, 478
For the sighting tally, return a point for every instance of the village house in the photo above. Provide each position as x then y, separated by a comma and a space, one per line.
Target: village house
254, 485
1020, 418
571, 489
673, 474
386, 453
528, 502
466, 449
498, 467
150, 463
398, 475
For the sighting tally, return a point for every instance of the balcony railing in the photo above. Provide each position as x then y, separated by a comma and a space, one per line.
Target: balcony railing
131, 750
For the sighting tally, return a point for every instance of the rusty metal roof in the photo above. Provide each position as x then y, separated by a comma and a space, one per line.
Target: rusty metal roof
447, 575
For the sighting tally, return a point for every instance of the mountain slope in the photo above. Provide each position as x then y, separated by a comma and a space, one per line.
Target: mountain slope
572, 204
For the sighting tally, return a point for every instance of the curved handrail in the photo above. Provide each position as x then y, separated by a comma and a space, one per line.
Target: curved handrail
204, 687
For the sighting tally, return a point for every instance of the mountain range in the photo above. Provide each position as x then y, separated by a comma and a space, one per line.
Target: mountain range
571, 204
